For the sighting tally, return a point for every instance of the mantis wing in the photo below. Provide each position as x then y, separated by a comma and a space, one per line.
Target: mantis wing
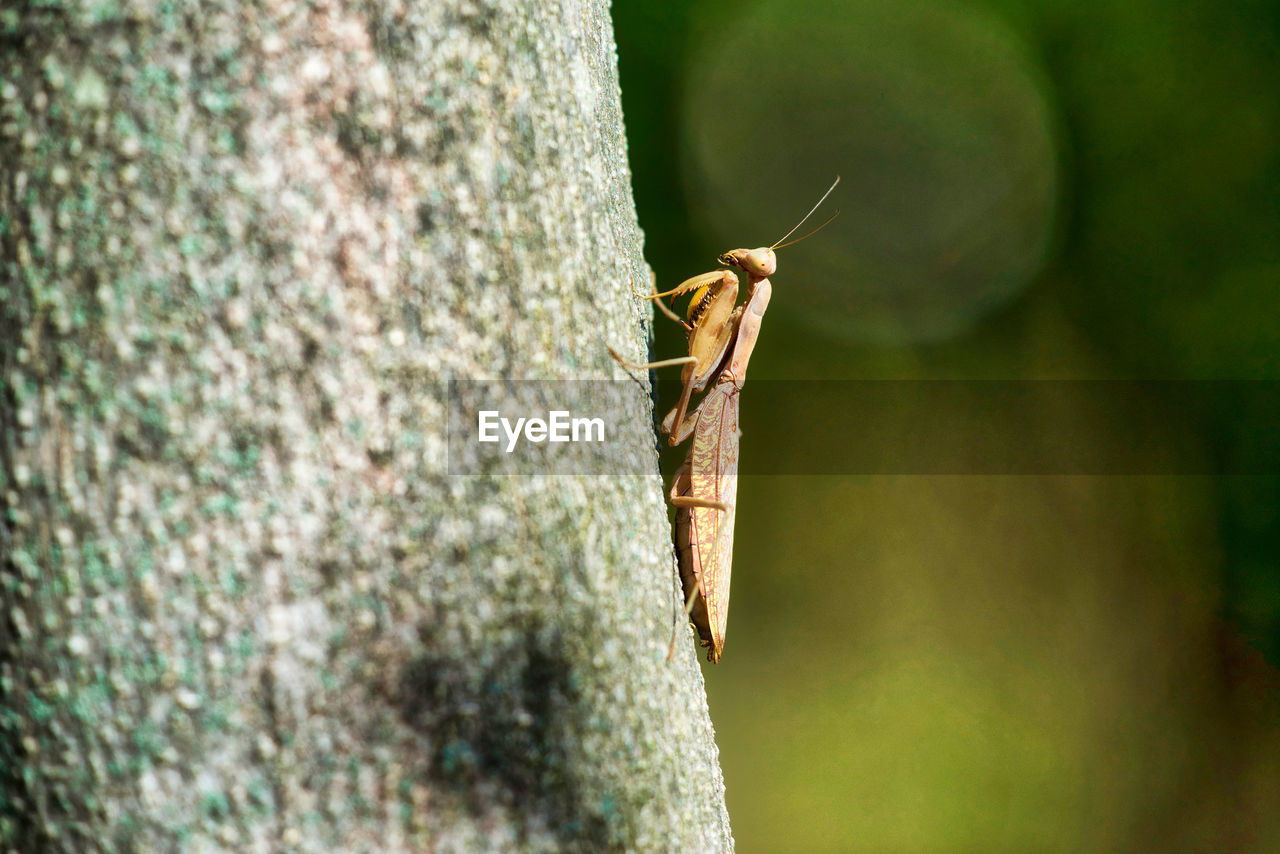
705, 534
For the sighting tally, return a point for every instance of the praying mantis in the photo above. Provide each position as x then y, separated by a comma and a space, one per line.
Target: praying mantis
704, 490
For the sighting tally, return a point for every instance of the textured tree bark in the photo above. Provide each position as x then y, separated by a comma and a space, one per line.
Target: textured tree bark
245, 608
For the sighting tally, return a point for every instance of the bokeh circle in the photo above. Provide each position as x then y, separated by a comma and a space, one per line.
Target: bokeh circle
938, 122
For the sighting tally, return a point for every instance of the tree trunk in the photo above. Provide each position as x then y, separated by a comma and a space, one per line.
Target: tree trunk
246, 608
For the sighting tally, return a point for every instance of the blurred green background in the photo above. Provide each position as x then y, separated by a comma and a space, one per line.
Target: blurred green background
1030, 191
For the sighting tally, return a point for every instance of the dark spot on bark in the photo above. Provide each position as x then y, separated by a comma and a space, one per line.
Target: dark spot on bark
356, 138
479, 18
501, 718
329, 572
391, 38
426, 219
124, 838
411, 316
310, 349
446, 140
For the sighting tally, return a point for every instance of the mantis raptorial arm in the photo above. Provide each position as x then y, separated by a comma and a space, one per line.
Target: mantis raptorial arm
690, 284
662, 306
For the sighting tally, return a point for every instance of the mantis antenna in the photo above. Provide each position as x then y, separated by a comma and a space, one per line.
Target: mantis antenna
807, 234
780, 244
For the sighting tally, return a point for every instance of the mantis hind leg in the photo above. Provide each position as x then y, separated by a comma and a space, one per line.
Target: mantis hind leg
679, 425
662, 363
691, 501
675, 628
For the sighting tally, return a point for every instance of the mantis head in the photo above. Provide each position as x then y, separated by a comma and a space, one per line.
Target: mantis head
756, 263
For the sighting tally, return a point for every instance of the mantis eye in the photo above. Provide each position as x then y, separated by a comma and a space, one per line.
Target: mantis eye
762, 262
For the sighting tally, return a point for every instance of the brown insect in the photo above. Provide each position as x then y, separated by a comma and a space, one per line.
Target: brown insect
704, 489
